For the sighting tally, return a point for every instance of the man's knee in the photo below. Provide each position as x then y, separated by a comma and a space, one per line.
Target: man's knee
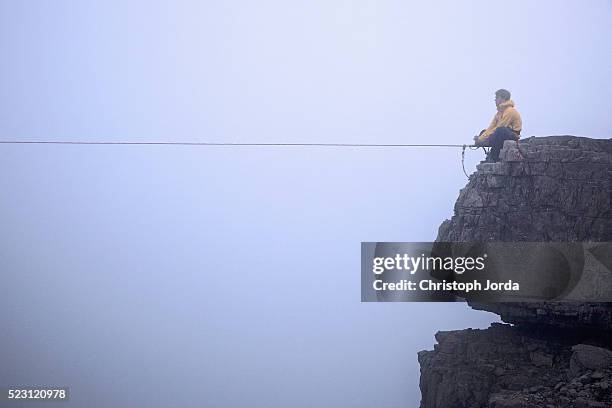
505, 133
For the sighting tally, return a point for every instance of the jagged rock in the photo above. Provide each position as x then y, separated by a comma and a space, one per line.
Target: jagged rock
587, 357
496, 368
557, 354
556, 188
570, 315
553, 188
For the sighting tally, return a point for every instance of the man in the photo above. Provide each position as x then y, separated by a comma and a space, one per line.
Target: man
506, 125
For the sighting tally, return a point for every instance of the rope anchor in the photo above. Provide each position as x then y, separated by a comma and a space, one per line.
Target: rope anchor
463, 161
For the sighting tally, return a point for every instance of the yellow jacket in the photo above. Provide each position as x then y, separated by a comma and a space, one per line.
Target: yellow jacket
506, 116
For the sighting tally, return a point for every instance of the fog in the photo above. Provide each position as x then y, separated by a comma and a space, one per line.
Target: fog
230, 276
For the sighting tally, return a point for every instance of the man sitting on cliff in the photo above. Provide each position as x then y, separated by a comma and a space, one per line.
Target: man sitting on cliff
506, 125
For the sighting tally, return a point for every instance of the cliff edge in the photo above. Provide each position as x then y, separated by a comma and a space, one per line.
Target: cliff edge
555, 354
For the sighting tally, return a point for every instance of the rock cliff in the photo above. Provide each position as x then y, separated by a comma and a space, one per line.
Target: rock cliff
551, 354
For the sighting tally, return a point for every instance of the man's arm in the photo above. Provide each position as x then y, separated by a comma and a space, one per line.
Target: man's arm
476, 141
488, 131
516, 122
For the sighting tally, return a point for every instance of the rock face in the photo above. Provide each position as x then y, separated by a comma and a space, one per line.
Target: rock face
545, 189
556, 354
506, 366
566, 315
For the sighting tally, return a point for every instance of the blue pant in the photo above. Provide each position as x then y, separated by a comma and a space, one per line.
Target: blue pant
497, 139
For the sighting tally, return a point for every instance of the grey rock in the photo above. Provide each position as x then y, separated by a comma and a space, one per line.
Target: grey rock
544, 189
556, 193
587, 357
541, 359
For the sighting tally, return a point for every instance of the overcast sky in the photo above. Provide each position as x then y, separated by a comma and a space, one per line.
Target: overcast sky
229, 277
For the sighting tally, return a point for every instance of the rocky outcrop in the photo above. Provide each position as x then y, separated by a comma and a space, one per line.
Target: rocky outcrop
555, 354
506, 366
565, 315
544, 189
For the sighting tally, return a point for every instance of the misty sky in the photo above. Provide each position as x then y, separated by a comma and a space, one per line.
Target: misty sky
229, 277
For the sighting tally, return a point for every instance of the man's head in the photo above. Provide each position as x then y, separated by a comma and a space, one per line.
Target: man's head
501, 96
